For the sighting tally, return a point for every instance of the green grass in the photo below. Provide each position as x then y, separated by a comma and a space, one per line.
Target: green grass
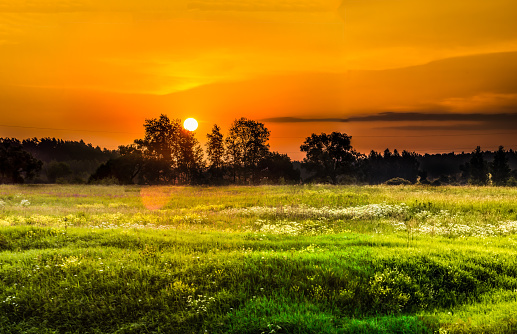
268, 259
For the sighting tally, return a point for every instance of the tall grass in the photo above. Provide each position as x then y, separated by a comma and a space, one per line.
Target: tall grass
269, 259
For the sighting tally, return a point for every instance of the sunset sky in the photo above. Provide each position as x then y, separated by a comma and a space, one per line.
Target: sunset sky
426, 76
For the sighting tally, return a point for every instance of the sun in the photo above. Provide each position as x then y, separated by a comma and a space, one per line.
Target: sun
190, 124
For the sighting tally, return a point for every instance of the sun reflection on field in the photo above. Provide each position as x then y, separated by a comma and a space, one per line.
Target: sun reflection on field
154, 198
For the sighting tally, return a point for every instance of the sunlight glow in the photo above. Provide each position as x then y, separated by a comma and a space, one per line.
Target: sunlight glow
190, 124
155, 198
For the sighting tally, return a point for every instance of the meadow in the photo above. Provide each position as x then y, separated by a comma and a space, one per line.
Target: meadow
264, 259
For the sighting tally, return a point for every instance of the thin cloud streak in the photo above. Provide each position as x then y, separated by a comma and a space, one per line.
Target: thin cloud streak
507, 118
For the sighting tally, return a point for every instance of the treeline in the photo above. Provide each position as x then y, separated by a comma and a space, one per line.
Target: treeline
169, 154
49, 160
331, 159
476, 168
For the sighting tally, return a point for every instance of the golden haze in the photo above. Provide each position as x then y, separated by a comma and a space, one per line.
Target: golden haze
95, 70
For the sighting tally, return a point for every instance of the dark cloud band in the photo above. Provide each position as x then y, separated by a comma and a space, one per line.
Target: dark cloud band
407, 117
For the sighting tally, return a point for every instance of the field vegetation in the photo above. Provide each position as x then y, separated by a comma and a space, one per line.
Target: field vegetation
263, 259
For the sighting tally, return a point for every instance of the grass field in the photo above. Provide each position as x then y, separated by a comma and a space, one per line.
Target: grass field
268, 259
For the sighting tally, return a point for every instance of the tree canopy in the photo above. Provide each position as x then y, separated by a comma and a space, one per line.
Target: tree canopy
16, 164
329, 155
246, 145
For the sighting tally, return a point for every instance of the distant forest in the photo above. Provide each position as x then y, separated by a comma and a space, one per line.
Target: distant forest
169, 154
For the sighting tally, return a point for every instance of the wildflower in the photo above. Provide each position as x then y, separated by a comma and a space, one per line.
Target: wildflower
25, 202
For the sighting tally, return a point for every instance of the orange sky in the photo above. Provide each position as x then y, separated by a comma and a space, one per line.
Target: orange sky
429, 76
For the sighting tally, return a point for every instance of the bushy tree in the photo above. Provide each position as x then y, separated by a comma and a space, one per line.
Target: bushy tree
171, 153
278, 168
246, 145
161, 140
125, 169
16, 164
167, 154
328, 156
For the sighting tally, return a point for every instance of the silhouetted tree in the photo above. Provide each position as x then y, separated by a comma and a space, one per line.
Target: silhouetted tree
499, 167
215, 151
478, 168
278, 168
16, 164
103, 172
191, 156
409, 166
129, 164
161, 140
246, 146
215, 148
170, 152
329, 155
125, 169
375, 168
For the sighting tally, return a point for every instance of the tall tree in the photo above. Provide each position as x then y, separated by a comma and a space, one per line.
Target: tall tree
376, 171
190, 157
215, 148
170, 153
246, 146
499, 167
329, 155
161, 139
409, 165
478, 168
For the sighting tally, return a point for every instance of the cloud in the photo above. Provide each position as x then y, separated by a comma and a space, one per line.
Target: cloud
390, 34
457, 127
468, 120
481, 103
302, 120
439, 117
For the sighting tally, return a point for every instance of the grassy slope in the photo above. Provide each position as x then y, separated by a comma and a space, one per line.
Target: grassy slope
96, 260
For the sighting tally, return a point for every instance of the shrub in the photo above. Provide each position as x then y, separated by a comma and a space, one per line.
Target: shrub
397, 181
